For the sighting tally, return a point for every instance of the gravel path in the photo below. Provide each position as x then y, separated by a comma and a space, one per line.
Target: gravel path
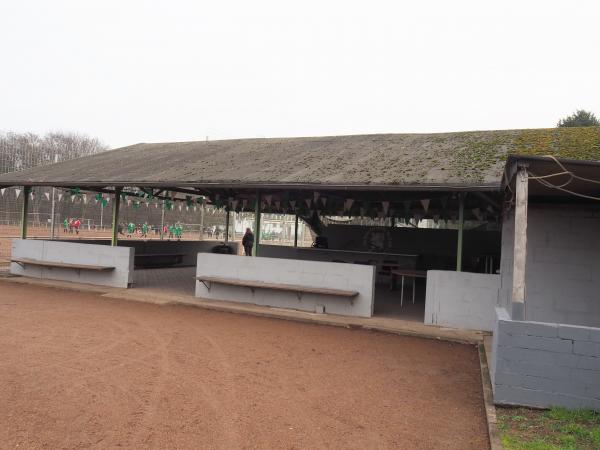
78, 370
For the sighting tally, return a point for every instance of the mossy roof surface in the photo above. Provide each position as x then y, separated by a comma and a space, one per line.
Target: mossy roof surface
465, 158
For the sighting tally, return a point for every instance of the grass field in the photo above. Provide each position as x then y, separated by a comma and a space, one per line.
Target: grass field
556, 429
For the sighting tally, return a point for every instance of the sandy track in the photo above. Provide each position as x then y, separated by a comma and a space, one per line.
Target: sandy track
80, 370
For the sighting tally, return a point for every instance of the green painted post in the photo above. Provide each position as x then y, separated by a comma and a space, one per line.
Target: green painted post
296, 231
257, 213
227, 212
115, 218
26, 192
461, 217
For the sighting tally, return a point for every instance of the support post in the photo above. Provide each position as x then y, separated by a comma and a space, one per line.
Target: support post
296, 231
115, 218
520, 244
201, 234
52, 214
227, 214
162, 221
257, 213
461, 224
26, 192
101, 217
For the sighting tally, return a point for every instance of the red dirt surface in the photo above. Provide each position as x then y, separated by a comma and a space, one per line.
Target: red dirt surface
79, 370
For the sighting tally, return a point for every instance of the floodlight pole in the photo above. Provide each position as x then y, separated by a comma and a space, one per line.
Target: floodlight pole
257, 224
115, 218
461, 217
26, 191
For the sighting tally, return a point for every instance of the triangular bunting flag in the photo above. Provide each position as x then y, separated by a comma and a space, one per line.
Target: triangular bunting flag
47, 195
425, 204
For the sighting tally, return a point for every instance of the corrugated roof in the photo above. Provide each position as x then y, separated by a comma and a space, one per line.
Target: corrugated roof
474, 159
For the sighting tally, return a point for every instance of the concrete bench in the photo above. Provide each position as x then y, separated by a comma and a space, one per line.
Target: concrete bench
61, 265
299, 290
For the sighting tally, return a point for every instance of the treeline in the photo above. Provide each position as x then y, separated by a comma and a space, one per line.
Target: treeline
19, 151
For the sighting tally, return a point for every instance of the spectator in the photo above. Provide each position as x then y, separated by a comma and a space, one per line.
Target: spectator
77, 225
248, 242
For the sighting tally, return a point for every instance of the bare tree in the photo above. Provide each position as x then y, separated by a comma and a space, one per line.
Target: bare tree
19, 151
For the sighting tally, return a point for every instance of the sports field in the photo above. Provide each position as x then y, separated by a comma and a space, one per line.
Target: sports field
78, 370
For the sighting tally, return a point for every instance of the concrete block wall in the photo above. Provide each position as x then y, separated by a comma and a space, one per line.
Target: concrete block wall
461, 299
121, 258
329, 255
189, 249
351, 277
563, 265
545, 364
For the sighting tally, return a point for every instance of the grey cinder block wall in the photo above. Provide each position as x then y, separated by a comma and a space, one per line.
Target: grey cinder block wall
316, 274
562, 267
545, 364
461, 299
121, 258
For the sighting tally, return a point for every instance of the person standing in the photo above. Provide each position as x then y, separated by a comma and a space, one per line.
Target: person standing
130, 229
77, 225
248, 241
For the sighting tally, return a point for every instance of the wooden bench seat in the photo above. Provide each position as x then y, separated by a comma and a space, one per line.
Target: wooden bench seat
62, 265
277, 286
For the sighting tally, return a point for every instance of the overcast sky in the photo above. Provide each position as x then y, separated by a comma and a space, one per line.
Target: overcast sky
143, 71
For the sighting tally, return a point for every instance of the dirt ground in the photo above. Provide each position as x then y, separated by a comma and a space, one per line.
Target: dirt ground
78, 370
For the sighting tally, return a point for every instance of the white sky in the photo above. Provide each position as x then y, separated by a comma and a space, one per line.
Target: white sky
144, 71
